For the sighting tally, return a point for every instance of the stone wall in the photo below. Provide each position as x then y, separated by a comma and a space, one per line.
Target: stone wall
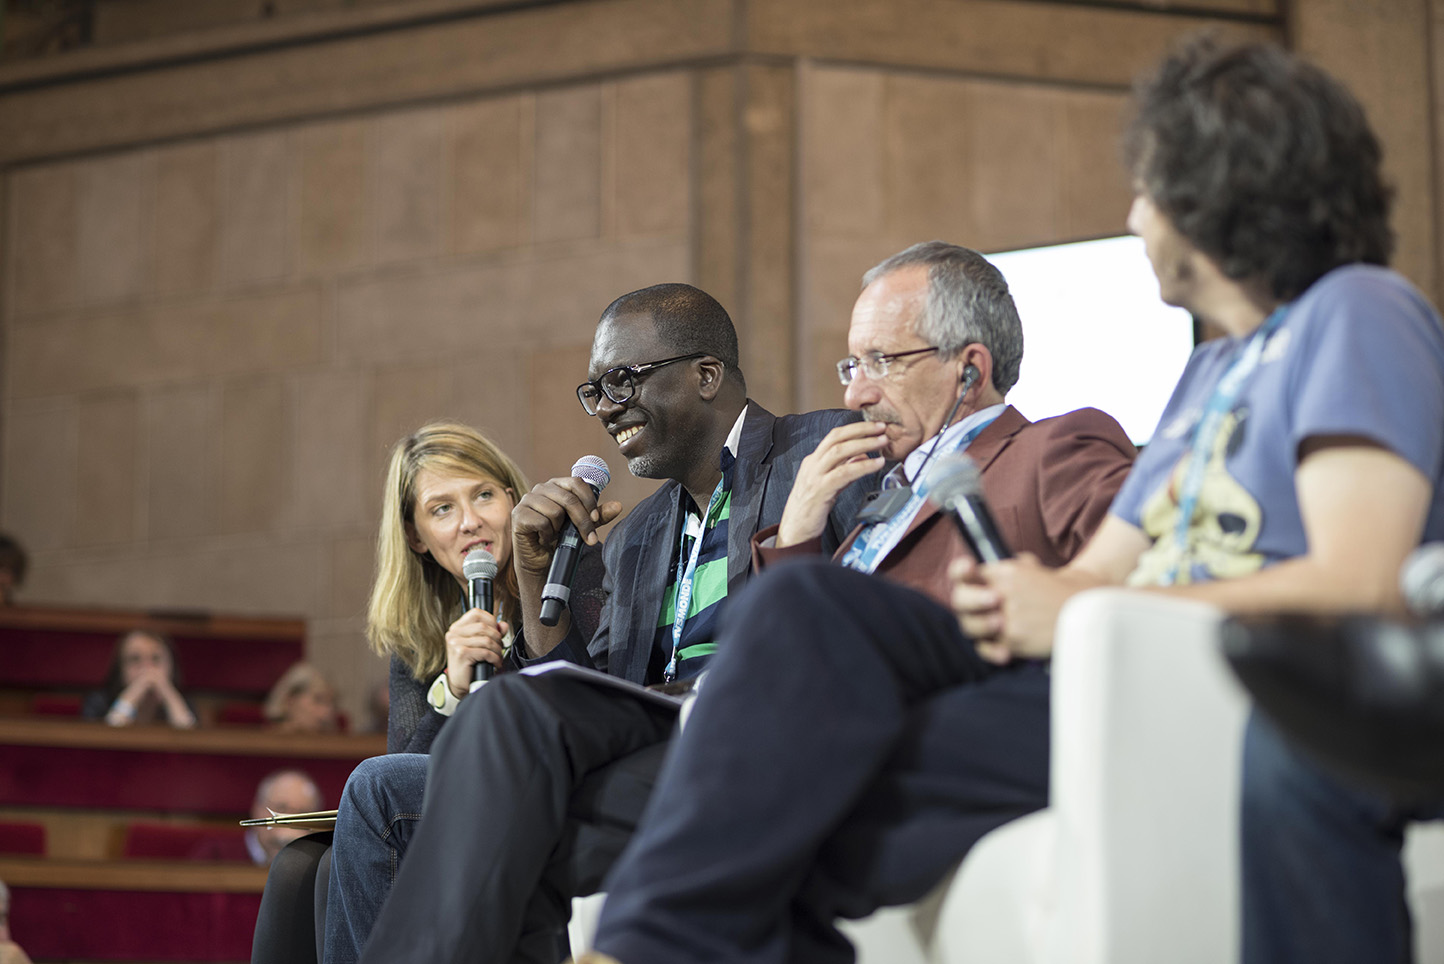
212, 344
242, 258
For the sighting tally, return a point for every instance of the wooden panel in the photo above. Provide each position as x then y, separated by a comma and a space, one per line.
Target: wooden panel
189, 876
71, 648
85, 765
515, 47
1045, 41
88, 835
238, 743
134, 910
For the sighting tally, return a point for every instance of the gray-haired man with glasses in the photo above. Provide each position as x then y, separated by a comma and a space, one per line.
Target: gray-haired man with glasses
536, 782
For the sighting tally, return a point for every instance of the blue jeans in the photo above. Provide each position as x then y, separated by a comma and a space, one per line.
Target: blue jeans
1322, 877
378, 810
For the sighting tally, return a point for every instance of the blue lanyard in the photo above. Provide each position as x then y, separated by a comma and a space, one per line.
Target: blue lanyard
1205, 433
687, 574
872, 544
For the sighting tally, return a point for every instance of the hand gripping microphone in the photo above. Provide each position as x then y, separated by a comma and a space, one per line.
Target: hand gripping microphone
954, 484
592, 471
479, 569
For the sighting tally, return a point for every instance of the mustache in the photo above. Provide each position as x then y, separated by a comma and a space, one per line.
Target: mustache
878, 413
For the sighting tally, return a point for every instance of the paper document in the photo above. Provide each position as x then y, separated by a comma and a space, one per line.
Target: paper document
672, 696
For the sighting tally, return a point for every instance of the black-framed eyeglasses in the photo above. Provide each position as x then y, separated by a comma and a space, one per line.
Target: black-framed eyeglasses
874, 364
620, 384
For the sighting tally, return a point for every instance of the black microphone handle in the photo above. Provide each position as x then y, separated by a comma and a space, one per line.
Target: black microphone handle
558, 588
979, 531
479, 593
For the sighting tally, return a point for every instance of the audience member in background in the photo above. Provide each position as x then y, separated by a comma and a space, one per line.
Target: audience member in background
10, 952
285, 791
13, 563
302, 701
142, 685
448, 490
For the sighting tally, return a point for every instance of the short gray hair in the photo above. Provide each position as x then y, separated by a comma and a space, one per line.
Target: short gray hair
968, 302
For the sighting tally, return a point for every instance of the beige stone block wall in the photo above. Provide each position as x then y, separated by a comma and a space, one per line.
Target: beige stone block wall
891, 158
212, 344
236, 272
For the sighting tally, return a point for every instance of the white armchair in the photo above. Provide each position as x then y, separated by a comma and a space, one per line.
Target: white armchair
1136, 858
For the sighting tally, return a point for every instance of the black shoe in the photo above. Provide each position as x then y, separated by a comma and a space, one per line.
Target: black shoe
1363, 695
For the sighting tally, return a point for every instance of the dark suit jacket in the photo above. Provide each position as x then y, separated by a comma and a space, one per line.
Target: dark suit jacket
639, 552
1049, 484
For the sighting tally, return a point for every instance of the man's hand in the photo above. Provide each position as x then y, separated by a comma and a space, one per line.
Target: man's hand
844, 455
474, 638
1010, 608
536, 526
538, 519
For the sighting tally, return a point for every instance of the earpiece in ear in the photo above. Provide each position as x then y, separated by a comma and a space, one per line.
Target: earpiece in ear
970, 376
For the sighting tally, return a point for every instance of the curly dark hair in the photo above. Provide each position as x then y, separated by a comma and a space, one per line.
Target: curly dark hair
1262, 161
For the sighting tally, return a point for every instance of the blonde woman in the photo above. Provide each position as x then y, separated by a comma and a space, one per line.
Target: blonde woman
302, 701
448, 490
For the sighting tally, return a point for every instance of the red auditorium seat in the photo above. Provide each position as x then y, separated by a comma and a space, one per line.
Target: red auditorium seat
242, 714
169, 841
22, 839
55, 704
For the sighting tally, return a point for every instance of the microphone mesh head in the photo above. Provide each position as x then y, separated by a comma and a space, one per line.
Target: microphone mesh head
1421, 580
479, 564
593, 471
953, 478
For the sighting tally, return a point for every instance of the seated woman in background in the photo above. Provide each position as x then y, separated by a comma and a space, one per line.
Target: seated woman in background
449, 490
141, 685
302, 701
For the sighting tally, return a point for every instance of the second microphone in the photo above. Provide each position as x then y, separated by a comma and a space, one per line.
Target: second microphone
593, 471
479, 568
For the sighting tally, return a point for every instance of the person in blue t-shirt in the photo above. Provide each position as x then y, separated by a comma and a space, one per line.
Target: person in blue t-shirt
1297, 464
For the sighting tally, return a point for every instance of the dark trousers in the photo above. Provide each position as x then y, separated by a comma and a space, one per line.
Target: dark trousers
1323, 879
533, 789
291, 924
846, 750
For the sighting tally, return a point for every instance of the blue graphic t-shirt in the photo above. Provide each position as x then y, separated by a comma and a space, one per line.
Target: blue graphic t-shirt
1360, 353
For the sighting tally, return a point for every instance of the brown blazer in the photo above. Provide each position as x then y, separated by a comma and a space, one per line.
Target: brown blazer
1049, 484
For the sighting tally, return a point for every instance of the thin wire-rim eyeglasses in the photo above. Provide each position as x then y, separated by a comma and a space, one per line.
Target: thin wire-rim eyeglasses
619, 384
874, 364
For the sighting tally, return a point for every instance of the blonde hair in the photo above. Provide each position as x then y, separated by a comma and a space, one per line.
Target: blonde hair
414, 600
299, 678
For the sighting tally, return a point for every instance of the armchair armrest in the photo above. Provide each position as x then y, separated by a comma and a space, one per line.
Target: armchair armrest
1147, 727
1135, 858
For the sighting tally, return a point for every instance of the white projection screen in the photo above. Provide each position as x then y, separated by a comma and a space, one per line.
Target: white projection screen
1094, 332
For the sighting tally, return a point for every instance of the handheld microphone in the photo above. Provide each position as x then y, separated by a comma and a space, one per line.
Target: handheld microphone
1421, 580
593, 471
954, 484
479, 569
